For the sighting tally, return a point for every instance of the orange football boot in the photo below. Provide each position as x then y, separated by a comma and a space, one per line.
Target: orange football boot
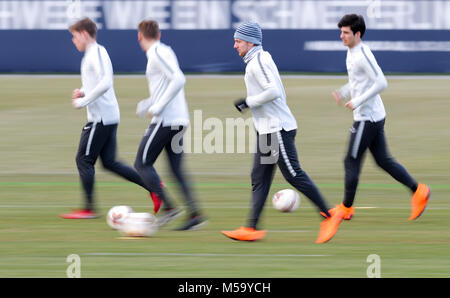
245, 234
329, 226
419, 201
348, 211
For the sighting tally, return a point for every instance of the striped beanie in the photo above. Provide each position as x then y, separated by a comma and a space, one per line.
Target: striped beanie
250, 32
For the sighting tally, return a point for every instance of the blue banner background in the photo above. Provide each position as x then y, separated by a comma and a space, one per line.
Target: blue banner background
212, 51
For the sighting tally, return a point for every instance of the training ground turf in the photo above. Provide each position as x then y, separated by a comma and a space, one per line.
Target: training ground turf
38, 180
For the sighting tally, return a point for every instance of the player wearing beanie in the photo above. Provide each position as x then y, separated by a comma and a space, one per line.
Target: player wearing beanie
276, 128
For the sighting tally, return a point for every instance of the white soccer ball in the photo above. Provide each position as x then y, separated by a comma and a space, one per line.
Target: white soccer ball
139, 225
286, 200
116, 216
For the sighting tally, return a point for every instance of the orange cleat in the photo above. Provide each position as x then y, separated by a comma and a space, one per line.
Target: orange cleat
324, 215
245, 234
329, 226
419, 201
80, 214
347, 211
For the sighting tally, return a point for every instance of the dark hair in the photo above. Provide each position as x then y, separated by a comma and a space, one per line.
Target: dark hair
149, 28
85, 24
356, 23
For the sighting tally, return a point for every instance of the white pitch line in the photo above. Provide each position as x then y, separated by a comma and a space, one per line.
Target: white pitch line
101, 254
288, 231
366, 207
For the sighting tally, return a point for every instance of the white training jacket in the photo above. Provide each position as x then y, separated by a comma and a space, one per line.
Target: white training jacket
167, 102
265, 94
97, 85
366, 81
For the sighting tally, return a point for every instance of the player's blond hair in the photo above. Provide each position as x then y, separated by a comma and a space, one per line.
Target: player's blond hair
85, 24
149, 28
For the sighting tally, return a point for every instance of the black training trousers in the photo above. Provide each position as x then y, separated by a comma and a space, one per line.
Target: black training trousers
279, 149
100, 140
169, 138
366, 134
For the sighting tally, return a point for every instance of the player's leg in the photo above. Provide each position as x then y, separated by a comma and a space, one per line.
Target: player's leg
384, 160
109, 161
93, 137
153, 142
360, 138
175, 157
262, 176
108, 156
293, 173
91, 142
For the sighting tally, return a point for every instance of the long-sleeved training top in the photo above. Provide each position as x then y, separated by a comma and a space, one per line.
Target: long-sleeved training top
366, 81
167, 102
266, 96
98, 87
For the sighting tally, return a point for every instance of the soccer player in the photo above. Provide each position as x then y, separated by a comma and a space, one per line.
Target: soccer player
170, 118
276, 128
98, 137
366, 81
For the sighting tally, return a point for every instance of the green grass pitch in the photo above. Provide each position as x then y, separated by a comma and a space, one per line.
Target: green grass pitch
38, 180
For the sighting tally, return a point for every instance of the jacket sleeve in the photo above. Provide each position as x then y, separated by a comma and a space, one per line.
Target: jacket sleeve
265, 78
371, 68
166, 62
103, 68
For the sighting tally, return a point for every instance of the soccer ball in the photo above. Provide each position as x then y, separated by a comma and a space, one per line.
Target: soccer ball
139, 225
116, 216
286, 200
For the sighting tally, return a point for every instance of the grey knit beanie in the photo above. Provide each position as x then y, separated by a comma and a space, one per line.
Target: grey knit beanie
250, 32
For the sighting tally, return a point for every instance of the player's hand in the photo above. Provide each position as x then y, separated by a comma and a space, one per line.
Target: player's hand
142, 108
75, 103
152, 111
338, 98
241, 105
349, 105
77, 94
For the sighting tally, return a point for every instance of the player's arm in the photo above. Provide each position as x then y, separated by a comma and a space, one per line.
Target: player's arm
143, 106
103, 68
371, 68
267, 81
176, 82
270, 92
342, 94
